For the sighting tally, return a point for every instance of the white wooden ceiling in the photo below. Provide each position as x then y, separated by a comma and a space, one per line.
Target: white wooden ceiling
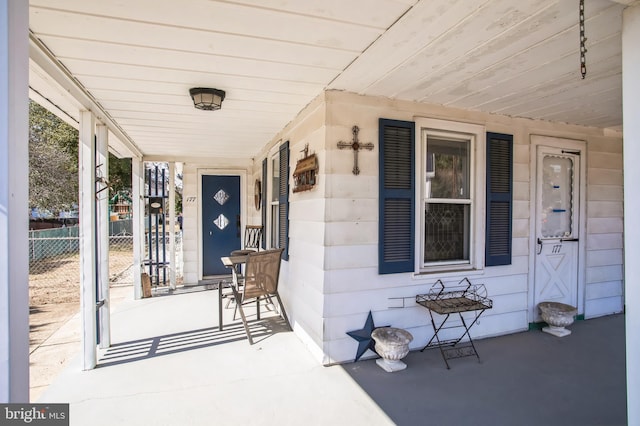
138, 59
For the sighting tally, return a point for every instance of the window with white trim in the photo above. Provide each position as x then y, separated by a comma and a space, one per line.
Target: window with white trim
444, 206
446, 219
277, 233
274, 203
448, 197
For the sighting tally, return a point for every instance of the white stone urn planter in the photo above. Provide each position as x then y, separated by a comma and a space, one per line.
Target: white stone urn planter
558, 316
392, 344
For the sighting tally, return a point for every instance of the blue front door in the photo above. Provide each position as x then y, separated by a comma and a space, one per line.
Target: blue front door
220, 221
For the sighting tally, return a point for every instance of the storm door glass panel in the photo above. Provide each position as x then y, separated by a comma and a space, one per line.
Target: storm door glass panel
557, 197
446, 236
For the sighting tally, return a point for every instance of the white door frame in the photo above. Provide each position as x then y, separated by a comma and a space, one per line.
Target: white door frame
243, 204
573, 145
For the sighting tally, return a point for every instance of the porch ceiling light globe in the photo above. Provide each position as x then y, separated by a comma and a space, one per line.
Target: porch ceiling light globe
206, 98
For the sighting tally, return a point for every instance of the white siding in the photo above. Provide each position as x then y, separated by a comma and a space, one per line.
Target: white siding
352, 284
331, 280
303, 276
604, 270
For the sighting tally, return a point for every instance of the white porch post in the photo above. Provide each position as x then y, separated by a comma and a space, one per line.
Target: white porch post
14, 190
102, 159
631, 112
137, 204
88, 234
172, 226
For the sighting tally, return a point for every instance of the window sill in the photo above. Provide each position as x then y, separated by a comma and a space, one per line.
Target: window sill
457, 273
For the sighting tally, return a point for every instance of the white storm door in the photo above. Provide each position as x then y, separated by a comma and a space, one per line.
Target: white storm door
557, 226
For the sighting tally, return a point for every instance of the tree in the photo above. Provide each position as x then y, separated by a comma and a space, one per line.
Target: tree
53, 162
119, 174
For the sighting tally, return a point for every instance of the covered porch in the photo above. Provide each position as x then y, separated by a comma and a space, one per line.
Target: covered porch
299, 78
169, 364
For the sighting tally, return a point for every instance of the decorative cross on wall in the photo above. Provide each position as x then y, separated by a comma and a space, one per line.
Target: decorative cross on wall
356, 146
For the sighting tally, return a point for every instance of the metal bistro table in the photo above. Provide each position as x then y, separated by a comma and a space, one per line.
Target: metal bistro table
464, 297
235, 264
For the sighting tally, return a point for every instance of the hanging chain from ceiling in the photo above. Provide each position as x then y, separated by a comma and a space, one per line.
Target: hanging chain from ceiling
583, 40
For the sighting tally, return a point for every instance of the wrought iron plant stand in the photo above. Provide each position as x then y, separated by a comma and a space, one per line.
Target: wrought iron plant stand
463, 297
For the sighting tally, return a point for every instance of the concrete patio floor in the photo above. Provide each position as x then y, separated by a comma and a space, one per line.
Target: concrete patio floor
170, 365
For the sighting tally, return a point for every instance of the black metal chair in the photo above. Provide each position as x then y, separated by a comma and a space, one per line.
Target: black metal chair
251, 244
252, 240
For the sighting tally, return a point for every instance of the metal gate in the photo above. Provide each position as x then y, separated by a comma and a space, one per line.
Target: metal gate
157, 234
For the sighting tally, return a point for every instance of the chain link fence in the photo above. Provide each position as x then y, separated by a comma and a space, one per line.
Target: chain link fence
54, 262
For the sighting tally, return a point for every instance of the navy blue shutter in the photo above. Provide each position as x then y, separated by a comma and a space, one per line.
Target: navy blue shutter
499, 199
396, 231
283, 200
263, 200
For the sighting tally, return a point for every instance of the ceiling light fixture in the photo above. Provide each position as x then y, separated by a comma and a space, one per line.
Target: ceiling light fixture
207, 99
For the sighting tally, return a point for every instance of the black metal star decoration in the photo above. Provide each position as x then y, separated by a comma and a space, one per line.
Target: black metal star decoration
363, 336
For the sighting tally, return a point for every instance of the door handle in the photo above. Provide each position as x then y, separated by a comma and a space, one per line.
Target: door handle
560, 240
238, 225
558, 243
542, 242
